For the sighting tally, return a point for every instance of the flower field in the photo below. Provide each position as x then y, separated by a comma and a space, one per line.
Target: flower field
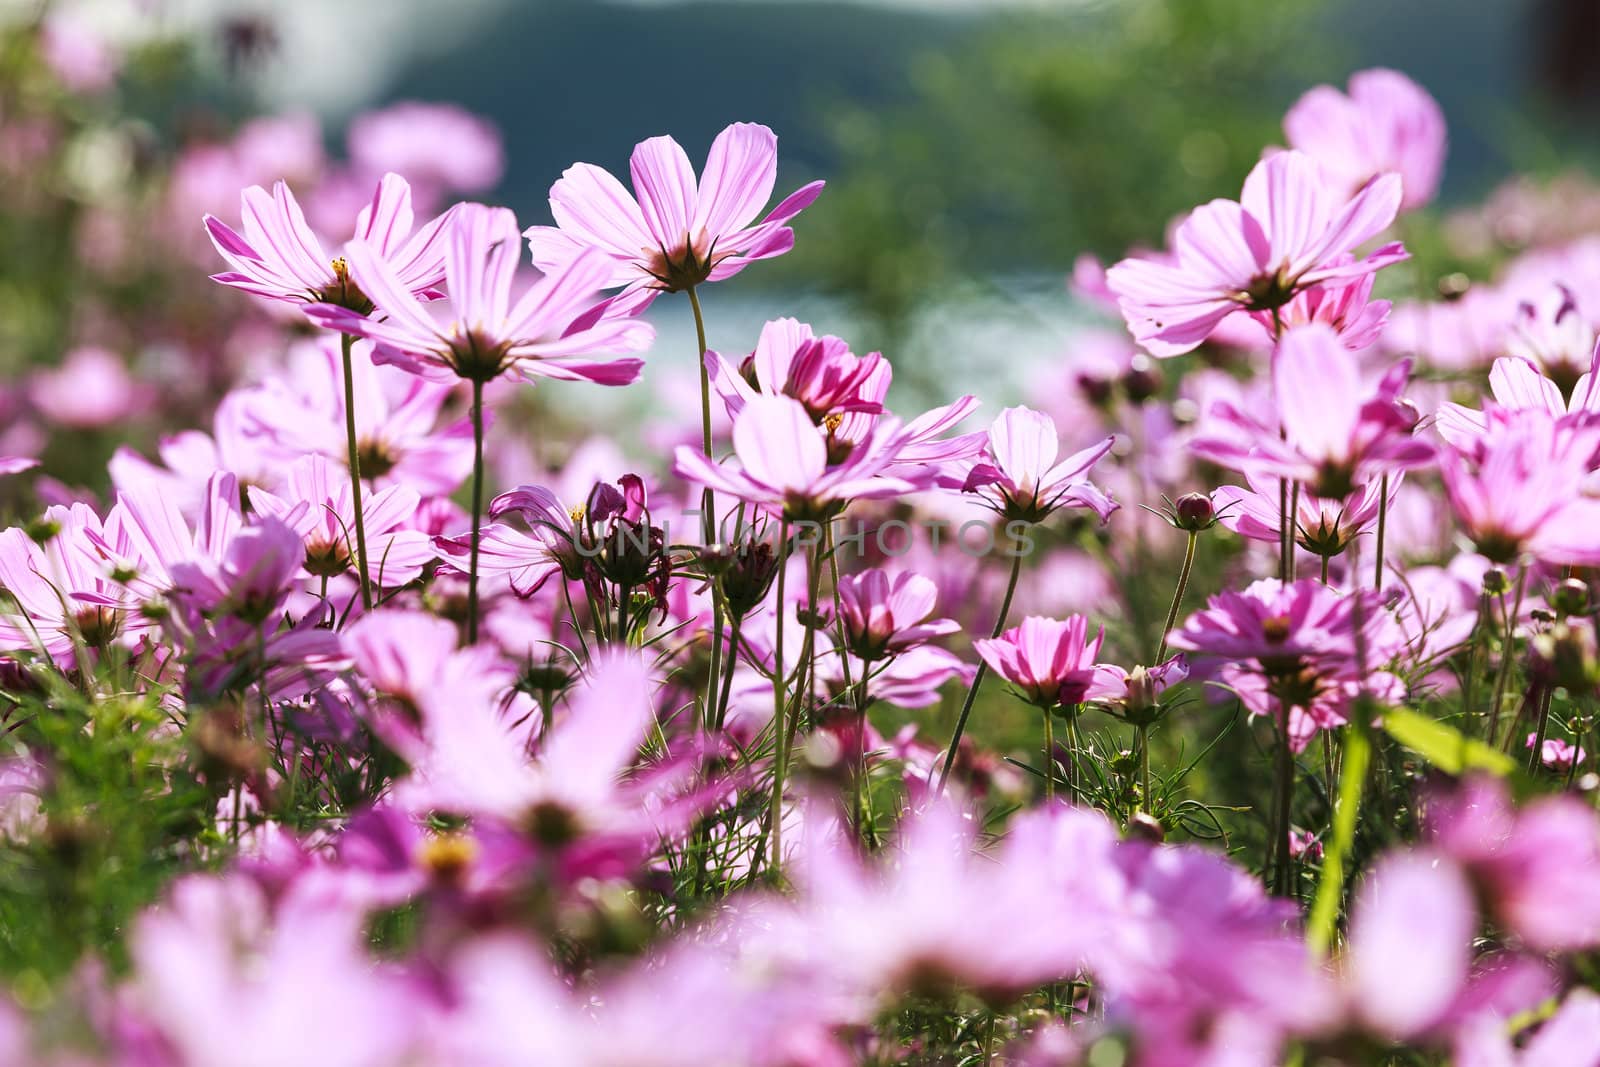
375, 694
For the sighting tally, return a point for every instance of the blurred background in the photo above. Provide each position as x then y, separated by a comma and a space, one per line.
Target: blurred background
973, 149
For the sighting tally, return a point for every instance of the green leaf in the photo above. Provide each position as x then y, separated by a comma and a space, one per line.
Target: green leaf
1443, 745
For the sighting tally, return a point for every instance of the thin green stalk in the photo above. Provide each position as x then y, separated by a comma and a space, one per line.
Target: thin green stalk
1507, 654
1330, 887
477, 509
1283, 792
1383, 522
727, 673
1536, 757
708, 507
1177, 597
1144, 767
775, 815
1285, 531
1049, 759
977, 679
858, 820
353, 448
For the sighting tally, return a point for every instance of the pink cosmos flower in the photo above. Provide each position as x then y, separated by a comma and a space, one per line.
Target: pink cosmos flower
278, 256
1018, 477
783, 462
1387, 123
554, 330
1521, 390
61, 587
1347, 308
315, 501
1322, 527
399, 436
886, 614
1303, 632
1525, 493
1051, 661
673, 233
820, 372
1557, 754
1289, 230
1333, 433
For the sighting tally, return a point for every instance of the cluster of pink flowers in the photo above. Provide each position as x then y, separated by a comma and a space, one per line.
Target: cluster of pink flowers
632, 749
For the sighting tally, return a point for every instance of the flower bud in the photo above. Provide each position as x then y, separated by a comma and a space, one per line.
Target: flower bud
1495, 582
747, 577
1146, 827
1194, 512
1571, 597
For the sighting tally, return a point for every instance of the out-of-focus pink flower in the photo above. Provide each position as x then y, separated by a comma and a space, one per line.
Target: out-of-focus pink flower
1332, 433
278, 257
672, 233
1554, 336
91, 388
885, 614
1387, 123
76, 54
1537, 869
554, 330
1017, 475
1571, 1038
1051, 661
1289, 230
440, 148
1557, 754
219, 972
1411, 932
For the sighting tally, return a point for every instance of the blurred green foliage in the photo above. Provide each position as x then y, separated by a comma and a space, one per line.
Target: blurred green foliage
1084, 128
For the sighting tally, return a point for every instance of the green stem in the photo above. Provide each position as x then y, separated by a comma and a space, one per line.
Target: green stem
477, 510
1330, 887
775, 815
1536, 757
977, 679
1283, 791
1049, 759
727, 673
708, 507
1507, 654
1144, 767
1177, 597
1383, 522
859, 821
353, 448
